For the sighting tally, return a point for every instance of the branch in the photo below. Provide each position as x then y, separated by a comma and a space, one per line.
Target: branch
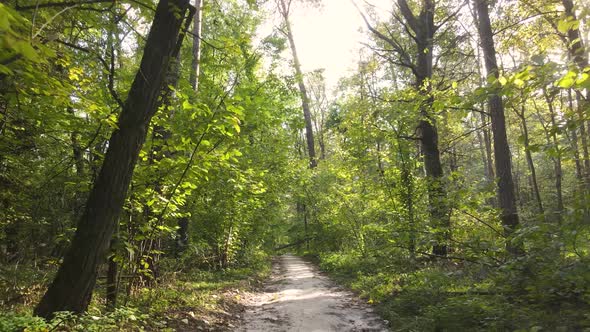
62, 4
539, 13
408, 15
404, 57
483, 222
10, 59
448, 18
444, 257
77, 3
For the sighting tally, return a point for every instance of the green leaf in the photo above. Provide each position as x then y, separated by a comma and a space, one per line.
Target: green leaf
27, 51
568, 80
567, 24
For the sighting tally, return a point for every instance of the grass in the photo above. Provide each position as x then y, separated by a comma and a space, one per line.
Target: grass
446, 296
187, 301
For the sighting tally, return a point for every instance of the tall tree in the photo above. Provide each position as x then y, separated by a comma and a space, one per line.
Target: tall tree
423, 29
284, 10
196, 60
72, 287
579, 55
503, 163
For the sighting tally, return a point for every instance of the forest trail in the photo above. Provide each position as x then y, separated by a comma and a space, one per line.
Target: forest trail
299, 298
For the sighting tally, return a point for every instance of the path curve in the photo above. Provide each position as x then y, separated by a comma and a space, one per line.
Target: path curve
299, 298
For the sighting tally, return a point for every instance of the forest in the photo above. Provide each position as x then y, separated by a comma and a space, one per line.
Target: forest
156, 156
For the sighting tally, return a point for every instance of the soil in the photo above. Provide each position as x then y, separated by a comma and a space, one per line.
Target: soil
299, 298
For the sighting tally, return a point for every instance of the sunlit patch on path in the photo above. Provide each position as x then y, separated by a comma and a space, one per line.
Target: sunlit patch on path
298, 298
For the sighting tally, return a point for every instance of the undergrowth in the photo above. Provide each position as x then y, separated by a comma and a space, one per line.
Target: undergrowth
180, 301
435, 295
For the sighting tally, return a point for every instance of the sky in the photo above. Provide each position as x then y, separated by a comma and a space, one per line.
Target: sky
330, 37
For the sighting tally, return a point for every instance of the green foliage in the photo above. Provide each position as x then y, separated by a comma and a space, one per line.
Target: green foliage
223, 177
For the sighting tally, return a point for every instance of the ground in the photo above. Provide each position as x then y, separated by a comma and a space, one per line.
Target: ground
299, 298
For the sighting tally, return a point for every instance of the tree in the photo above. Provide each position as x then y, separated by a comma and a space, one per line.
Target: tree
196, 51
72, 287
284, 7
505, 190
421, 64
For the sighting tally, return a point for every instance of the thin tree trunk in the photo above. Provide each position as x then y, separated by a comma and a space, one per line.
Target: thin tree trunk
584, 137
506, 198
112, 280
77, 152
574, 141
284, 9
408, 198
552, 139
488, 143
196, 61
529, 160
482, 150
72, 287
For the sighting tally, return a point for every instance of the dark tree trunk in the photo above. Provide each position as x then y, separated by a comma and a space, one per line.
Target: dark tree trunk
529, 160
77, 151
72, 287
506, 198
183, 223
284, 9
407, 181
112, 281
578, 54
182, 235
424, 29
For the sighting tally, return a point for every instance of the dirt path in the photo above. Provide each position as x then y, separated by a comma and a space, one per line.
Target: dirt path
298, 298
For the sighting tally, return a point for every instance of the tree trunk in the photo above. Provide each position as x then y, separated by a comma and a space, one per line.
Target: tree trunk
529, 160
584, 137
488, 145
284, 9
576, 47
551, 135
112, 273
72, 287
574, 141
578, 54
196, 61
423, 27
182, 236
77, 151
506, 198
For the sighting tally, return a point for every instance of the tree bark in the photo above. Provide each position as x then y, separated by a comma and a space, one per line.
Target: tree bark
529, 160
574, 141
578, 54
552, 139
284, 9
424, 29
196, 61
72, 287
112, 281
488, 145
576, 46
503, 164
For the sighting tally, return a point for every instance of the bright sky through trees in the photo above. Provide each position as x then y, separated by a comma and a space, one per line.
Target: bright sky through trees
330, 37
